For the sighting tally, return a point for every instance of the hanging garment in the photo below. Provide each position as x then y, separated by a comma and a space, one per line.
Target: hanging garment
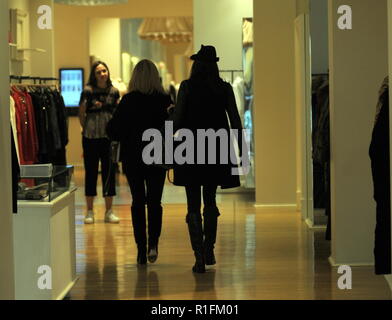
13, 124
379, 155
319, 192
247, 32
60, 156
321, 151
247, 55
51, 124
239, 93
42, 126
26, 129
15, 175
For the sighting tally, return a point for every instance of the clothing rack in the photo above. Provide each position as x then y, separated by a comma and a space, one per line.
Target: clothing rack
41, 80
24, 85
232, 73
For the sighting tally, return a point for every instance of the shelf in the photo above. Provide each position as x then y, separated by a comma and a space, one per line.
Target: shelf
20, 60
12, 44
32, 49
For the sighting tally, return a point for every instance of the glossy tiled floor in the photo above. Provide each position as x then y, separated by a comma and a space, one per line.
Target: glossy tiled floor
260, 256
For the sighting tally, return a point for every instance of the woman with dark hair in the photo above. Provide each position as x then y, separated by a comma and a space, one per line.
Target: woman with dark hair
144, 107
204, 102
98, 101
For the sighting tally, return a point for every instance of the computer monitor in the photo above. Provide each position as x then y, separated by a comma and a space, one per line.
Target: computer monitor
71, 84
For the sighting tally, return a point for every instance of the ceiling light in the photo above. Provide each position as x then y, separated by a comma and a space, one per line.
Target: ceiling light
91, 2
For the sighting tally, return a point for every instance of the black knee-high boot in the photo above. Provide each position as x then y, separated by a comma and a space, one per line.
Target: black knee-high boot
211, 215
139, 232
195, 228
154, 214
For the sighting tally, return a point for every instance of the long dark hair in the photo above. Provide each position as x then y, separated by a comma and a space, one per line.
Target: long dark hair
207, 73
204, 70
92, 80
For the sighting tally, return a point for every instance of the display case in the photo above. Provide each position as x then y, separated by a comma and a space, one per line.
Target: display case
44, 233
44, 182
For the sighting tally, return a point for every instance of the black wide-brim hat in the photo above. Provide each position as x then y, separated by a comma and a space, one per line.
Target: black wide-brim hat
206, 54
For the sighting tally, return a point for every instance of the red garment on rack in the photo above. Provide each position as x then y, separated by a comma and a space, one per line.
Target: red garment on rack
25, 126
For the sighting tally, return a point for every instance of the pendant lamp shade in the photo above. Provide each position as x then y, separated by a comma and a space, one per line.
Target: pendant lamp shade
91, 2
167, 29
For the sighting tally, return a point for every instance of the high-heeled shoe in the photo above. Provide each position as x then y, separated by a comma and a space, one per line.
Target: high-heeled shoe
209, 257
152, 254
141, 257
199, 266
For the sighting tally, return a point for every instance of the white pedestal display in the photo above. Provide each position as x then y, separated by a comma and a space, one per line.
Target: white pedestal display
44, 248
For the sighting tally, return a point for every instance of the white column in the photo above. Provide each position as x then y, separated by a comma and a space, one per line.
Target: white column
108, 51
42, 62
219, 23
358, 63
7, 286
274, 104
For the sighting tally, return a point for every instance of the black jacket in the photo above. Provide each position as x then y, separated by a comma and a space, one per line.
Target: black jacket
379, 151
136, 113
380, 156
203, 106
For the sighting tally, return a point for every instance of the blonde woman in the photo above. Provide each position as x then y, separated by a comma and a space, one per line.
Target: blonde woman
143, 107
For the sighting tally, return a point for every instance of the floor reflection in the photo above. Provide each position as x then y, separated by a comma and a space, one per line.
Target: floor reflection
147, 284
322, 268
260, 255
101, 270
205, 283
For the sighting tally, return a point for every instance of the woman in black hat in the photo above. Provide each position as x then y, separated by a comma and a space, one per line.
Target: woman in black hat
204, 102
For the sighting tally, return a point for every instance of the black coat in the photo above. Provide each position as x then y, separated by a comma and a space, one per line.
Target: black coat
200, 106
136, 113
379, 155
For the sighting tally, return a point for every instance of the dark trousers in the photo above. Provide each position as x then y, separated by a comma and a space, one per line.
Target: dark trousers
193, 194
146, 184
95, 150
